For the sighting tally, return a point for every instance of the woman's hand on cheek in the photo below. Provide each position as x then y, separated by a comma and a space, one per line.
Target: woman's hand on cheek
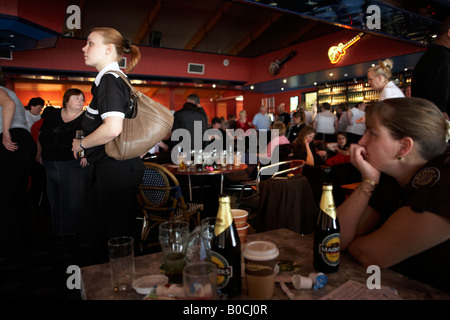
358, 155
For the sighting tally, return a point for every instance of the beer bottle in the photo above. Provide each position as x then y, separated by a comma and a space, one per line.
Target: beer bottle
327, 234
226, 250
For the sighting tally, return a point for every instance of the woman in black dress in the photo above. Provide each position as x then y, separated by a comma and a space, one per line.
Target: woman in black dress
67, 178
113, 207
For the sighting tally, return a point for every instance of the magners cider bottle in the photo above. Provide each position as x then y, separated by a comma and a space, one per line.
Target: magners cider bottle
226, 250
327, 238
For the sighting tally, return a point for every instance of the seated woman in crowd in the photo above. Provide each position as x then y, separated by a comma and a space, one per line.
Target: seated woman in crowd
298, 122
243, 122
304, 149
399, 217
339, 150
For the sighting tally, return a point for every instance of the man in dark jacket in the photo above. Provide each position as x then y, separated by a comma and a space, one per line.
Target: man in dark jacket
431, 75
190, 117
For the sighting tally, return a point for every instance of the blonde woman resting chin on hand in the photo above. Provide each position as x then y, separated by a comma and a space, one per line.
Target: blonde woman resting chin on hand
399, 217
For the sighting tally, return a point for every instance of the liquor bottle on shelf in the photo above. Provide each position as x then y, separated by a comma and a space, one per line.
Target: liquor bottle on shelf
226, 250
327, 234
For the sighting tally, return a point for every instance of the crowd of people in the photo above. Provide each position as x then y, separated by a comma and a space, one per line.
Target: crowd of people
396, 147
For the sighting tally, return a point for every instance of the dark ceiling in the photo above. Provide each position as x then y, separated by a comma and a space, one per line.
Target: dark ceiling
214, 26
245, 28
251, 28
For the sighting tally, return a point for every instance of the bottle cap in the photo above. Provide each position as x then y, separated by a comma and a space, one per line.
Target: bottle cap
301, 282
327, 187
319, 279
223, 197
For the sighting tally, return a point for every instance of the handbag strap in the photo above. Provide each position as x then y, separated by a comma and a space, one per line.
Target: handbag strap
127, 81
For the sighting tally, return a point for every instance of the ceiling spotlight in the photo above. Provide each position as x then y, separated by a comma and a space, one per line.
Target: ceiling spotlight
315, 83
282, 89
331, 74
214, 85
284, 80
252, 87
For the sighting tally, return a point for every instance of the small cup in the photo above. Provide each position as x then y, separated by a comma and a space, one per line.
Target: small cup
199, 281
238, 158
182, 161
260, 259
174, 237
239, 217
121, 262
242, 232
79, 134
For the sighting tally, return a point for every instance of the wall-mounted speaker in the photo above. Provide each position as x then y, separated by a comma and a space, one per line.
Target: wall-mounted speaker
155, 38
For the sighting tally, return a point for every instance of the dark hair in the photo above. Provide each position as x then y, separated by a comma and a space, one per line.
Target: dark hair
299, 114
343, 106
416, 118
216, 120
193, 98
443, 28
326, 106
35, 102
69, 93
298, 145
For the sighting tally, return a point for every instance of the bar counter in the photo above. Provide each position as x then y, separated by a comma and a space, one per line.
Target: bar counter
96, 284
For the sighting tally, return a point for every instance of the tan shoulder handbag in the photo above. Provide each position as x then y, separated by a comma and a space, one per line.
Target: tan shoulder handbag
150, 123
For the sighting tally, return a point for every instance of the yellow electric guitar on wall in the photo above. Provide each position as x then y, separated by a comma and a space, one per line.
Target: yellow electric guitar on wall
335, 52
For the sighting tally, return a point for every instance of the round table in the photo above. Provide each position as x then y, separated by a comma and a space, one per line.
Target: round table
192, 171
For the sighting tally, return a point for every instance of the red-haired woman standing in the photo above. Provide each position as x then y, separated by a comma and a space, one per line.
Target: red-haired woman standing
113, 206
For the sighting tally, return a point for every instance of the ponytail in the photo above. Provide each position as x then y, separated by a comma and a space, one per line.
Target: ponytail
383, 68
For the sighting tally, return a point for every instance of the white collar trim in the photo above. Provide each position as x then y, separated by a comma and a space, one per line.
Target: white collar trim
112, 66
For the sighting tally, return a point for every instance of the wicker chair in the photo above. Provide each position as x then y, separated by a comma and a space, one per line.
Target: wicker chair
161, 200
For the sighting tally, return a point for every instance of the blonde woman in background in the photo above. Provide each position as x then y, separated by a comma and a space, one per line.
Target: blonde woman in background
379, 79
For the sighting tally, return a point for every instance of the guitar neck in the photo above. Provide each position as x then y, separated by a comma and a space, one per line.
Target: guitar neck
353, 40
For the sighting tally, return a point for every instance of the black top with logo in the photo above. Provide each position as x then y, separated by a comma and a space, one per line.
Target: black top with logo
112, 95
428, 190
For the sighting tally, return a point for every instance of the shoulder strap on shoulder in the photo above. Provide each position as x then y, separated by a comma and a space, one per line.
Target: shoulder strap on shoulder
127, 81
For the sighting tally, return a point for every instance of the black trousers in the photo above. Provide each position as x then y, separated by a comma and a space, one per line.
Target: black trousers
113, 203
15, 171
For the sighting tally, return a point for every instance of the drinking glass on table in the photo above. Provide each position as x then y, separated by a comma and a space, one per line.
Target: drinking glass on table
174, 237
199, 280
121, 262
182, 161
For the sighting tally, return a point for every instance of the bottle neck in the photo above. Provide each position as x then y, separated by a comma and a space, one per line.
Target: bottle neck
327, 204
224, 217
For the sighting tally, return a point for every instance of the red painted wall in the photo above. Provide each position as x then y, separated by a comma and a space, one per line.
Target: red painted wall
313, 55
67, 55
